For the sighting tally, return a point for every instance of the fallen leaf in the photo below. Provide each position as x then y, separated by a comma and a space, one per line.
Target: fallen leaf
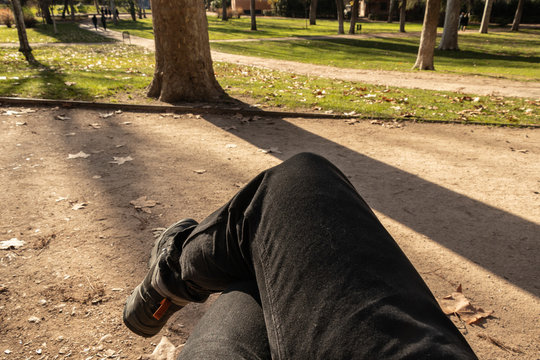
12, 243
120, 160
107, 115
200, 171
126, 123
457, 304
80, 154
79, 206
95, 125
19, 123
143, 202
165, 350
96, 177
70, 83
274, 150
62, 117
231, 146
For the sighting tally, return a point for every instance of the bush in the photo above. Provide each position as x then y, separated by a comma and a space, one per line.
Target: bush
6, 17
29, 19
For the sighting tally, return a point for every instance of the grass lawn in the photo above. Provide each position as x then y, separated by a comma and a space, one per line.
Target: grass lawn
42, 33
118, 72
510, 55
268, 27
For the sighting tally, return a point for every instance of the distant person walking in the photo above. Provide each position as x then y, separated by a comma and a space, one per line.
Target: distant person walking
465, 21
94, 21
104, 22
461, 16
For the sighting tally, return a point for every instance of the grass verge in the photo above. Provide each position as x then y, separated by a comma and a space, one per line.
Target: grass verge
43, 33
508, 55
119, 72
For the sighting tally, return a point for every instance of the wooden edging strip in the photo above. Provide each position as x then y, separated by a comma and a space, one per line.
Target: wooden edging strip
229, 110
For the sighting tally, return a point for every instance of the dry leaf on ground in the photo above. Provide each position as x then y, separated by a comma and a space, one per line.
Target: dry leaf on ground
62, 117
120, 160
12, 243
457, 304
107, 115
80, 154
200, 171
143, 203
79, 206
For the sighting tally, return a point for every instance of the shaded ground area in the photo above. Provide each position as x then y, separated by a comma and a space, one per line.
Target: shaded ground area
429, 80
462, 201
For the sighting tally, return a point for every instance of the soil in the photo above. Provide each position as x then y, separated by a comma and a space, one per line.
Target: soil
462, 201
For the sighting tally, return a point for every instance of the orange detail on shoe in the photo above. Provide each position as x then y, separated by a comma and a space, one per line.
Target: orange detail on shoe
164, 305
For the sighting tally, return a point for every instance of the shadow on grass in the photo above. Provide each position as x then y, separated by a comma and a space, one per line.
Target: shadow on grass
71, 33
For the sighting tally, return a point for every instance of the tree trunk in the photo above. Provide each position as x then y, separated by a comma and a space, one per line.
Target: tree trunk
224, 10
517, 17
449, 40
113, 10
402, 15
426, 50
354, 16
72, 10
24, 46
253, 16
97, 6
183, 63
391, 11
313, 12
64, 9
44, 5
339, 5
486, 16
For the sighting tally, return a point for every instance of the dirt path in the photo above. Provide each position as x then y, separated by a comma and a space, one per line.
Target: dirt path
481, 85
462, 201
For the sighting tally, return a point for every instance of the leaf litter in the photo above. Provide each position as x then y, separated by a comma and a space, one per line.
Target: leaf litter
457, 304
143, 203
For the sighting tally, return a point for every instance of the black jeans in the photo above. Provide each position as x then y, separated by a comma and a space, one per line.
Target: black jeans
309, 273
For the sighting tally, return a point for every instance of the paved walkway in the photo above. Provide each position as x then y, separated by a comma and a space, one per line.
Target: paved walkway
470, 84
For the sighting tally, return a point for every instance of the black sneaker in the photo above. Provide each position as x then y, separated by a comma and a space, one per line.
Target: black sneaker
162, 292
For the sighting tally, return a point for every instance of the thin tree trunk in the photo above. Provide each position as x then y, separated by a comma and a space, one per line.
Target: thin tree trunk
517, 17
354, 16
113, 10
426, 50
97, 6
72, 10
313, 12
183, 69
339, 5
449, 39
44, 5
486, 16
253, 15
402, 15
391, 11
64, 9
224, 10
24, 46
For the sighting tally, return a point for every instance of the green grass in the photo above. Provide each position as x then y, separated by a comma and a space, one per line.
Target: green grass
117, 72
42, 33
278, 89
509, 55
267, 27
82, 72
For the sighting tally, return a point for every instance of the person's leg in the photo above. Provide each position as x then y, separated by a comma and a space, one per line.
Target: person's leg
333, 282
232, 329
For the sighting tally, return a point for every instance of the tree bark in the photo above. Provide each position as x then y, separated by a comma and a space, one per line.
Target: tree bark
224, 10
391, 11
97, 6
313, 12
183, 63
339, 5
113, 10
426, 50
44, 5
517, 16
486, 16
402, 15
253, 16
449, 40
354, 16
24, 46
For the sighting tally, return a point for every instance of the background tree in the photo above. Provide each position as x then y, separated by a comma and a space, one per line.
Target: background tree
426, 50
354, 16
517, 16
44, 6
224, 16
391, 7
313, 12
485, 18
183, 69
24, 46
449, 39
402, 15
339, 5
253, 15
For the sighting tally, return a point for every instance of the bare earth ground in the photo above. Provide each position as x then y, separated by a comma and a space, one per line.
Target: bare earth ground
462, 201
